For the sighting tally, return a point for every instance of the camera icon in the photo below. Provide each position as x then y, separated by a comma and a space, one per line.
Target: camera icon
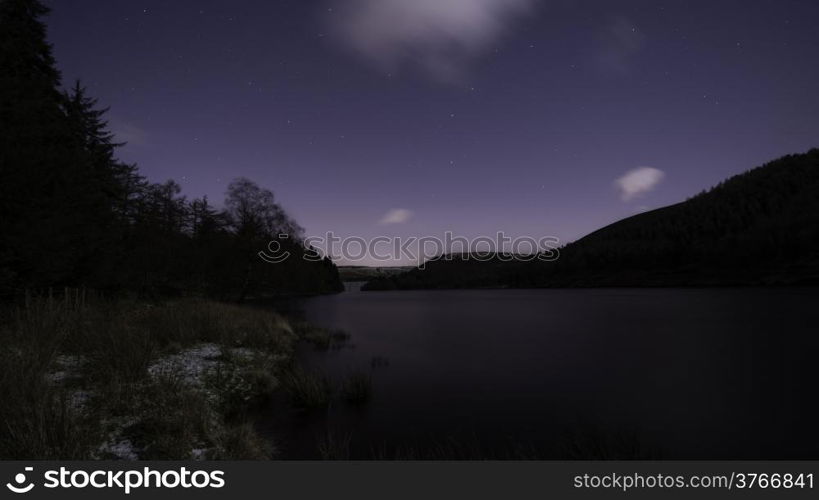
20, 479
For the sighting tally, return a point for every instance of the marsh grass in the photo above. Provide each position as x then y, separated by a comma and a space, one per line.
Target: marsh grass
308, 390
192, 321
37, 418
589, 442
334, 445
172, 420
117, 341
42, 423
323, 339
240, 441
243, 381
357, 388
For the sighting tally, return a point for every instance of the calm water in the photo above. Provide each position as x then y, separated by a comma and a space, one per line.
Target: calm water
653, 373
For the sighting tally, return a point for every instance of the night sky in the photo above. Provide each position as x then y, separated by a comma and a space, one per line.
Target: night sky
414, 117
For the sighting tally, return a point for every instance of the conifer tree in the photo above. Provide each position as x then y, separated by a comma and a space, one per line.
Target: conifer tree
38, 155
72, 214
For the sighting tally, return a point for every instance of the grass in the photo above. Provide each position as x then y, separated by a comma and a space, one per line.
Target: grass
589, 442
323, 339
333, 445
308, 390
172, 420
74, 375
37, 418
357, 388
241, 442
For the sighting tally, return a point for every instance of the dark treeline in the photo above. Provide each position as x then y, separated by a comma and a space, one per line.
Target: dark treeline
760, 227
72, 214
757, 228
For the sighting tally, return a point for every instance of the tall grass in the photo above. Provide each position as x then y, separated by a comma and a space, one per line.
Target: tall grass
38, 419
118, 340
323, 339
357, 388
308, 390
193, 321
173, 420
334, 445
240, 441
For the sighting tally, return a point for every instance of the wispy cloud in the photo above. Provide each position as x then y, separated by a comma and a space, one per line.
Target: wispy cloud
622, 41
637, 182
439, 37
128, 133
396, 216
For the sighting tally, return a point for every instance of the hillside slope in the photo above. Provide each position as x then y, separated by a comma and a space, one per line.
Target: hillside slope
759, 227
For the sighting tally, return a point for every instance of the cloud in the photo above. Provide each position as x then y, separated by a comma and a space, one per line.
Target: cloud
638, 182
128, 133
622, 42
396, 216
439, 37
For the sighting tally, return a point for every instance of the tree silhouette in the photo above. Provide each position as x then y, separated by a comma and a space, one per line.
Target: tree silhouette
73, 214
40, 158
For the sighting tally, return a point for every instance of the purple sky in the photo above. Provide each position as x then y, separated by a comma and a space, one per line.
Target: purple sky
390, 117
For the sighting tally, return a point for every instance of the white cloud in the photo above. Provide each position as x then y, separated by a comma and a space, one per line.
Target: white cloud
638, 182
396, 216
440, 37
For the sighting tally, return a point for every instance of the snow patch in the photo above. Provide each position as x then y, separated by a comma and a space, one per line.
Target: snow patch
118, 446
191, 364
67, 366
123, 450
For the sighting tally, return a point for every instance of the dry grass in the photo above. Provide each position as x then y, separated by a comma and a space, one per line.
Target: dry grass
308, 390
118, 340
357, 388
323, 339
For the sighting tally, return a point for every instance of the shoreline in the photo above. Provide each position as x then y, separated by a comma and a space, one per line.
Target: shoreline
133, 380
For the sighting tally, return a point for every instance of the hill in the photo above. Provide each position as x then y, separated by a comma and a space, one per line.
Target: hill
364, 273
757, 228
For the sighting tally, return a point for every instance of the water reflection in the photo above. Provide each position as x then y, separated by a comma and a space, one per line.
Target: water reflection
632, 373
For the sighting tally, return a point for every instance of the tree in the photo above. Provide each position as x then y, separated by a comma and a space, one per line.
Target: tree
256, 219
39, 156
102, 184
254, 213
72, 214
205, 220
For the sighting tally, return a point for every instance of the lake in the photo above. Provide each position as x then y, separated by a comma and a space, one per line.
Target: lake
568, 373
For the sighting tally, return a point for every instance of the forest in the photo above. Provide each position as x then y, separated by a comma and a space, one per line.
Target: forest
73, 215
122, 337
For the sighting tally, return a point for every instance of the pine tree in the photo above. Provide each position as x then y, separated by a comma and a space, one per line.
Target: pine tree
91, 131
205, 220
38, 155
108, 188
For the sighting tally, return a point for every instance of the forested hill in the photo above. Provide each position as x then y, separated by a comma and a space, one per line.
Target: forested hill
760, 227
72, 214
